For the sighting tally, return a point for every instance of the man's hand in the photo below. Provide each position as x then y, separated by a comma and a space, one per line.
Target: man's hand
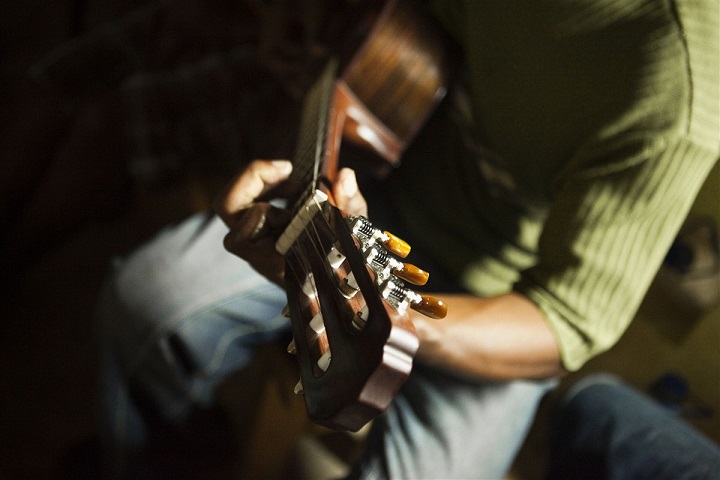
347, 195
255, 225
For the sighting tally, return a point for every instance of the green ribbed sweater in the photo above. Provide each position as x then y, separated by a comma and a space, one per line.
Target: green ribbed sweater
575, 150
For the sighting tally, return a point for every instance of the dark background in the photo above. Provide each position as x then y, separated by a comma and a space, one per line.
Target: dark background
61, 231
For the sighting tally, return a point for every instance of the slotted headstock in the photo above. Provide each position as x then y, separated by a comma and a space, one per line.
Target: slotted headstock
347, 293
352, 336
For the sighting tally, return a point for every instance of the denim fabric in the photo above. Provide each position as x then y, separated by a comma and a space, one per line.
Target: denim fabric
442, 426
175, 319
181, 314
604, 429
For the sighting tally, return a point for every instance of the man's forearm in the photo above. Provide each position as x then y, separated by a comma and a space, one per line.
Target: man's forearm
502, 337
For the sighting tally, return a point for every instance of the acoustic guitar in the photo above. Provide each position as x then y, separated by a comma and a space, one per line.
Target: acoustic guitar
348, 294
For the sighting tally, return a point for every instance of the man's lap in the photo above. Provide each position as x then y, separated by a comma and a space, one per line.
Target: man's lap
181, 314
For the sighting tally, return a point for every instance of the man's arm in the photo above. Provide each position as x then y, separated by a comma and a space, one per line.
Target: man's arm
502, 337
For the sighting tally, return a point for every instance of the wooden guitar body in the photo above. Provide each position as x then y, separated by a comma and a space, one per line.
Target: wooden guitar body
347, 297
391, 84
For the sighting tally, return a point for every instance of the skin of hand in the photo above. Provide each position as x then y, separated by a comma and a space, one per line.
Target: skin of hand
255, 224
502, 337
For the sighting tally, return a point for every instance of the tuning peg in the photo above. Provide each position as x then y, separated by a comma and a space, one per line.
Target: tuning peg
286, 311
383, 264
401, 297
412, 274
395, 244
366, 232
429, 306
292, 348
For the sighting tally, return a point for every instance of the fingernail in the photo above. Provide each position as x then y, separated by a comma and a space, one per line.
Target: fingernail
349, 183
283, 166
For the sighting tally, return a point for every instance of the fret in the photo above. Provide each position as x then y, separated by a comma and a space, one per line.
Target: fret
310, 150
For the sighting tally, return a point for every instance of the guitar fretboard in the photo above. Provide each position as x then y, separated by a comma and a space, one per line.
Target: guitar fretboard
309, 153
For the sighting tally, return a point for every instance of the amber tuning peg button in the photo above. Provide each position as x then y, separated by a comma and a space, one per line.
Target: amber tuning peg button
412, 274
430, 306
395, 244
402, 297
384, 265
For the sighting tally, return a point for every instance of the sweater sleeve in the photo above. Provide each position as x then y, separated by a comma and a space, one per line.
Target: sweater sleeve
623, 198
604, 117
606, 236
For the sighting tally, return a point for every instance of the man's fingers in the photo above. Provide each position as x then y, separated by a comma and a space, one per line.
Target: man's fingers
259, 177
260, 254
260, 220
253, 235
347, 194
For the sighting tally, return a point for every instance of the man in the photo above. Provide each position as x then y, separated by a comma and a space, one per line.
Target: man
543, 194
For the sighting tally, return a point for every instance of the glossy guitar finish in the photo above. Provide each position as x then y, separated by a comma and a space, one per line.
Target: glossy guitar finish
346, 298
358, 351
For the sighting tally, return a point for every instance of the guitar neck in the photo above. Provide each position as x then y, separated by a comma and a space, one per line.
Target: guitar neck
311, 150
352, 336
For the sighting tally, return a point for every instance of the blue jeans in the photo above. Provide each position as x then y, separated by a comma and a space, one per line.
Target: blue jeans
604, 429
180, 315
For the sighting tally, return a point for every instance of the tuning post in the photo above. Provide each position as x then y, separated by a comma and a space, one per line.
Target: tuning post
308, 286
348, 286
361, 317
292, 348
323, 362
366, 233
335, 257
317, 324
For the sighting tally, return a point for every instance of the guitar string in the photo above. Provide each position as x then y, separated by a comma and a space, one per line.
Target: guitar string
313, 235
307, 161
310, 147
313, 130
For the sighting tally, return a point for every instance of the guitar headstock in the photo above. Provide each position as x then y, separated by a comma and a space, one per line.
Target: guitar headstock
347, 293
348, 303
